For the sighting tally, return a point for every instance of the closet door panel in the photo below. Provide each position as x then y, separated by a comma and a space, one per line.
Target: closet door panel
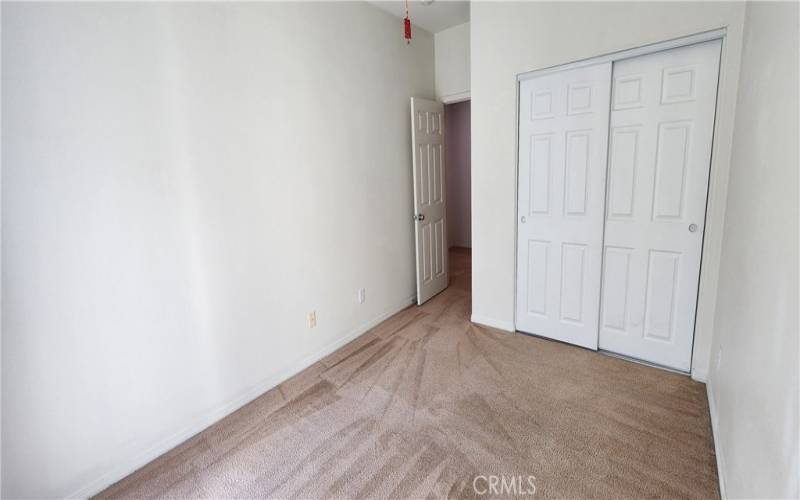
662, 120
563, 137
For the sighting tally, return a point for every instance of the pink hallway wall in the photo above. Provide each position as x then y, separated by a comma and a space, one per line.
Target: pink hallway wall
457, 168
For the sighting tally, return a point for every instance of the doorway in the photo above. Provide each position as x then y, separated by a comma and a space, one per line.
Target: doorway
457, 174
440, 138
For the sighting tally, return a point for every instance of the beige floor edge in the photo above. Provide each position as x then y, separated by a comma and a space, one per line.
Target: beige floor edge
427, 401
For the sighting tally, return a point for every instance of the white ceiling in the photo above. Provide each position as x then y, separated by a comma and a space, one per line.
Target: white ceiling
434, 17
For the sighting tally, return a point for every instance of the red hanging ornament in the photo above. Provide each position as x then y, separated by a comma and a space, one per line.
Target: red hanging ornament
407, 26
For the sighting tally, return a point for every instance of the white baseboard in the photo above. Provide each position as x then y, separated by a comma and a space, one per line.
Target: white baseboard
494, 323
123, 469
700, 375
712, 410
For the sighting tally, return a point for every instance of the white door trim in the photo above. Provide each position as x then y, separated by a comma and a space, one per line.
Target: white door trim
454, 98
628, 53
717, 189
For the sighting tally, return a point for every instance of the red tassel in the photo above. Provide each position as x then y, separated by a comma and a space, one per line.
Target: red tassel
407, 25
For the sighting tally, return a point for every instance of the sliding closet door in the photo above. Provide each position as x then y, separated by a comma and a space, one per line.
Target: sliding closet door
662, 121
563, 136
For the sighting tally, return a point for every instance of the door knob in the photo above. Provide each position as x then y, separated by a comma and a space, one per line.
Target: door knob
692, 228
419, 217
522, 219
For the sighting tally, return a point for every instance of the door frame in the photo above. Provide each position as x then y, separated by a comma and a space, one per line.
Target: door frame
715, 200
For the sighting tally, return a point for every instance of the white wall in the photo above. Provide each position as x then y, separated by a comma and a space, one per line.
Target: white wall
452, 63
512, 38
457, 170
182, 184
754, 390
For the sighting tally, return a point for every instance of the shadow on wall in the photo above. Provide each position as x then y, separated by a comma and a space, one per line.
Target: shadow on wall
457, 147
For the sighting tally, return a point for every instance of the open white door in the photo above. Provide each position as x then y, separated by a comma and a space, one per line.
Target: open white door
563, 134
427, 139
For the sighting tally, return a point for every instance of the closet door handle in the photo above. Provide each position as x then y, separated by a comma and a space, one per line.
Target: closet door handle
692, 228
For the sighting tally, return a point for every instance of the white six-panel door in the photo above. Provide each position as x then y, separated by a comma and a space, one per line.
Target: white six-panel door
662, 122
427, 138
563, 135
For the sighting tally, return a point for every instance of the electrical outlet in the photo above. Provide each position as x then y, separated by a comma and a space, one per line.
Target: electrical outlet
362, 295
312, 319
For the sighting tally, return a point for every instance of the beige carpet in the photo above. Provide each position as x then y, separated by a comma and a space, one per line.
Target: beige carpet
426, 402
